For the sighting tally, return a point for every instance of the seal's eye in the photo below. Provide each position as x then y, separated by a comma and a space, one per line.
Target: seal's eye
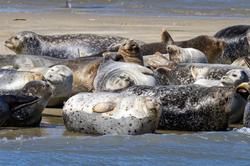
16, 38
234, 75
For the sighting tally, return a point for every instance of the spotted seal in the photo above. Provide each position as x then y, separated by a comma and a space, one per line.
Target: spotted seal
234, 31
195, 108
188, 73
23, 108
186, 55
212, 47
232, 78
111, 113
61, 46
60, 78
112, 75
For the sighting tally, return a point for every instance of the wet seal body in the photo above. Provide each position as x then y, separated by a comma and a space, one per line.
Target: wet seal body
195, 108
185, 55
23, 108
212, 47
111, 113
61, 46
113, 75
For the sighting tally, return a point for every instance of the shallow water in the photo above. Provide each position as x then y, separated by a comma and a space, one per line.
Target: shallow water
51, 144
160, 8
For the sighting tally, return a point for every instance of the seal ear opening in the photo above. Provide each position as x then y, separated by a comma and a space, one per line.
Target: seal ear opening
243, 89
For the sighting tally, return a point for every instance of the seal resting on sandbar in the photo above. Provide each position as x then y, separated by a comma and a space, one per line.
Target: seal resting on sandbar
185, 55
111, 113
212, 47
112, 76
196, 108
61, 46
23, 108
233, 77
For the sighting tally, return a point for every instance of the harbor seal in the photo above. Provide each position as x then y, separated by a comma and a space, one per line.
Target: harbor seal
23, 108
188, 73
234, 31
60, 78
232, 78
185, 55
196, 108
212, 47
113, 75
129, 52
61, 46
111, 113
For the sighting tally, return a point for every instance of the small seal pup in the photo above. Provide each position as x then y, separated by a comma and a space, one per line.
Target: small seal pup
129, 52
111, 113
196, 108
232, 78
212, 47
185, 55
234, 31
61, 46
25, 106
113, 75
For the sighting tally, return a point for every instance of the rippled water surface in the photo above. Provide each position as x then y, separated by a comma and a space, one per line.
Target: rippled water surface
210, 8
53, 145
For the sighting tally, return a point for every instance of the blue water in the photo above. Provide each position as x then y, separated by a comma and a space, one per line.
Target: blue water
160, 8
57, 147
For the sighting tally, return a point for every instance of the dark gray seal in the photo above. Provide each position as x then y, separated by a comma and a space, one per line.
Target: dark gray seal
196, 108
23, 108
61, 46
234, 31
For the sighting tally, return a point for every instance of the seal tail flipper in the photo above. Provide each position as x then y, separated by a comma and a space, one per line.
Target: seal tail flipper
104, 107
166, 37
17, 102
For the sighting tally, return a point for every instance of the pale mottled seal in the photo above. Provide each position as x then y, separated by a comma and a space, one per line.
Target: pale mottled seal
186, 55
111, 113
61, 46
60, 78
232, 78
194, 107
233, 31
24, 107
113, 75
212, 47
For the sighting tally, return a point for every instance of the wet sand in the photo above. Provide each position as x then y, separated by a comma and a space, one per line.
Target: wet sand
143, 28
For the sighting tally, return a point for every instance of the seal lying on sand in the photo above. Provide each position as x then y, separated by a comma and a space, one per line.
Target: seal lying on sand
113, 76
84, 69
232, 78
196, 108
212, 47
24, 107
61, 46
60, 78
187, 73
185, 55
111, 113
129, 52
234, 31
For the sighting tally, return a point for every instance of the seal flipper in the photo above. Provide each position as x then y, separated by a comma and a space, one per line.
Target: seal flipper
18, 102
104, 107
166, 37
